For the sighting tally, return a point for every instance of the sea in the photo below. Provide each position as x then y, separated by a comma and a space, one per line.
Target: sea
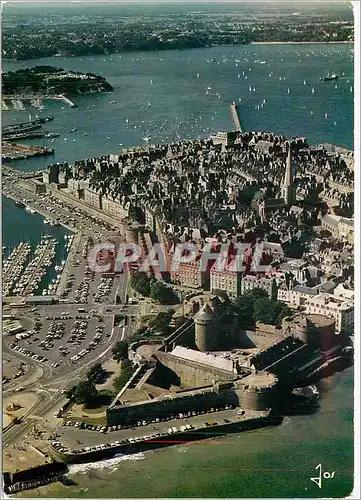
162, 97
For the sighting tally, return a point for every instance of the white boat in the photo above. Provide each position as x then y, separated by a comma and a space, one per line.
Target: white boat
313, 90
46, 221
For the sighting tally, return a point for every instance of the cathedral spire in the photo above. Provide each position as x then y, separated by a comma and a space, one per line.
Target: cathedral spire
288, 174
288, 192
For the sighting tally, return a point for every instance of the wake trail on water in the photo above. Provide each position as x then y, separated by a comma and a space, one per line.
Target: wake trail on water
111, 463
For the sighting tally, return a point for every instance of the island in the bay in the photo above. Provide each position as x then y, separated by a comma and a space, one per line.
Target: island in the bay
51, 81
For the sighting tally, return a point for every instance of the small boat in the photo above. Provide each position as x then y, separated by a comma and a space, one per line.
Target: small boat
113, 102
313, 90
329, 78
72, 130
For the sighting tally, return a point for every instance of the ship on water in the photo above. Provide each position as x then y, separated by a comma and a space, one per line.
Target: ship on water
19, 204
330, 77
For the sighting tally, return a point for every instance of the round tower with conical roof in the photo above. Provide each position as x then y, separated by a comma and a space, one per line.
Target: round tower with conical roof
203, 326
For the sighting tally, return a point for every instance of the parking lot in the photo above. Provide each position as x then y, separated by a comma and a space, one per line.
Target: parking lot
63, 337
84, 286
81, 436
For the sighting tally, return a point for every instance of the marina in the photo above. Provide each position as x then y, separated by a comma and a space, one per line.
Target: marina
14, 266
43, 256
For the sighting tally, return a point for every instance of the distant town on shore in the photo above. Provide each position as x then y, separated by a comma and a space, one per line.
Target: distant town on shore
170, 31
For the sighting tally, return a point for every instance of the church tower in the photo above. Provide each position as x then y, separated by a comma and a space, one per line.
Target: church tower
288, 190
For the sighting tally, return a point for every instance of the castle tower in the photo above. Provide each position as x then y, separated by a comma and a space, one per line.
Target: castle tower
288, 191
203, 326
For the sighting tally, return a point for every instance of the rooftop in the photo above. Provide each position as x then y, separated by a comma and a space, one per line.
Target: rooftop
202, 358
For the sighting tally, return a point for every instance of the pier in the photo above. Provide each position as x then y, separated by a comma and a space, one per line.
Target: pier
235, 116
62, 97
68, 264
21, 151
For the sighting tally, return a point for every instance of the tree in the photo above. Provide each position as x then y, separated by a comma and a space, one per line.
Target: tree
140, 283
71, 392
85, 393
120, 350
96, 373
162, 293
255, 305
